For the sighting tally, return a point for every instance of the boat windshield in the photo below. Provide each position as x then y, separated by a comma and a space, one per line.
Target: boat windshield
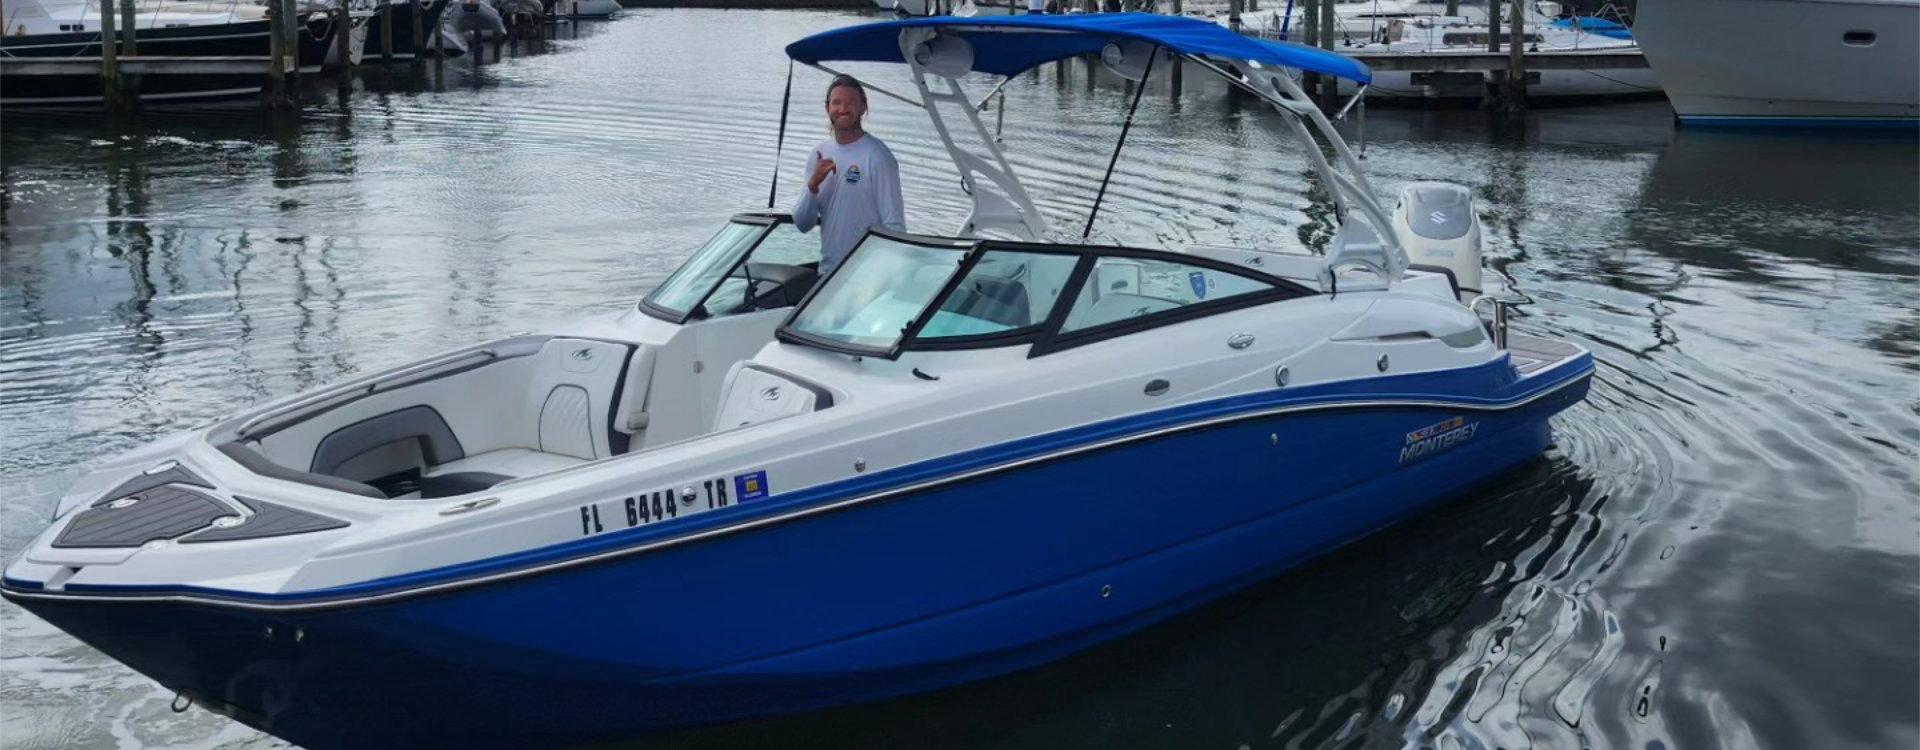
690, 283
758, 262
898, 292
868, 304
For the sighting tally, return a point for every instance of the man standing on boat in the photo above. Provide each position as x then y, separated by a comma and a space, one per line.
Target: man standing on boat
853, 182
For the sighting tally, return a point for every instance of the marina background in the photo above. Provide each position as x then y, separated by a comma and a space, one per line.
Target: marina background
1720, 551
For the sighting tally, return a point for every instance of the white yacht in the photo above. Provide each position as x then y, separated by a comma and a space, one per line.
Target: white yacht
1792, 63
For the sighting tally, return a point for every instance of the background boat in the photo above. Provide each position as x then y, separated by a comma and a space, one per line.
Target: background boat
1793, 63
431, 13
45, 30
1439, 39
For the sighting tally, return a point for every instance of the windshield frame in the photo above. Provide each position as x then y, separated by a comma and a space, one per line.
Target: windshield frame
1030, 333
1045, 336
767, 223
787, 333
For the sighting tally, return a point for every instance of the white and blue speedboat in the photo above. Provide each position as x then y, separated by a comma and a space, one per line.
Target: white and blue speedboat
762, 491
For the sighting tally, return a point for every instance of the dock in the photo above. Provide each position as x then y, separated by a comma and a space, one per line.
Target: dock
1503, 70
1456, 62
122, 70
138, 65
1503, 75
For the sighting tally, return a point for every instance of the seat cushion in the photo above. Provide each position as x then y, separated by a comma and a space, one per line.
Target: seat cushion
509, 462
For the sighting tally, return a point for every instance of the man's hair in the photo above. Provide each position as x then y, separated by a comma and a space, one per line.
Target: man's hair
849, 82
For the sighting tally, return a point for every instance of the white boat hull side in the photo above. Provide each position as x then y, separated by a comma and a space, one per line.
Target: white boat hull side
1785, 61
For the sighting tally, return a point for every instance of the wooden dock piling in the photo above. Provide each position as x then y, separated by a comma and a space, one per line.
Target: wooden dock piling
1329, 85
129, 46
1516, 88
286, 55
1178, 11
386, 34
1493, 25
109, 56
276, 67
342, 39
1308, 34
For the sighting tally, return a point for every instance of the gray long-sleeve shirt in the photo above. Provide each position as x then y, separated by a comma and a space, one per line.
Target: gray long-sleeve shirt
863, 191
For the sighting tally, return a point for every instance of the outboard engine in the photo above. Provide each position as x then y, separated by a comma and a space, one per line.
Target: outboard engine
1438, 227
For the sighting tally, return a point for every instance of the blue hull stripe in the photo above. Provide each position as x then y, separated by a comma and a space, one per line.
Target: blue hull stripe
1839, 123
1442, 390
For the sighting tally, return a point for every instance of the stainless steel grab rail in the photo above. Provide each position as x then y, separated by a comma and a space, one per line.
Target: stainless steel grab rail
1497, 330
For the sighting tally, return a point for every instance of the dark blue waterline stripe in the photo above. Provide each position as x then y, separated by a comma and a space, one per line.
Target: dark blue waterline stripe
1332, 394
1845, 123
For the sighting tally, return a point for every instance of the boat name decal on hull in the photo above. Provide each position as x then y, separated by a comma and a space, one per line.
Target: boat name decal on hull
1437, 437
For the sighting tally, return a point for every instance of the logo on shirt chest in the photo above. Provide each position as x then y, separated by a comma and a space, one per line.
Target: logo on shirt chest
853, 175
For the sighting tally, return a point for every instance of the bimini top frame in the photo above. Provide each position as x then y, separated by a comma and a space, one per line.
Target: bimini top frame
1128, 43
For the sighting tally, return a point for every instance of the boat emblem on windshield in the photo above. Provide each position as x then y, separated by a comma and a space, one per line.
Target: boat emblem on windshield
583, 354
1199, 282
770, 393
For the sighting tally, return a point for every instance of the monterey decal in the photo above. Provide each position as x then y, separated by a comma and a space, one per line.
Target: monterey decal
1437, 437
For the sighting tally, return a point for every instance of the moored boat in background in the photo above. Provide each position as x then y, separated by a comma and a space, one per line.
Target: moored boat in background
1786, 63
42, 29
1440, 38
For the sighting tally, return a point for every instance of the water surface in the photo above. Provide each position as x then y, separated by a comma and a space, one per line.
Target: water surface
1718, 551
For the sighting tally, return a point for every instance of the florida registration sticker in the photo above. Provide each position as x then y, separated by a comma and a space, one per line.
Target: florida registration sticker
750, 486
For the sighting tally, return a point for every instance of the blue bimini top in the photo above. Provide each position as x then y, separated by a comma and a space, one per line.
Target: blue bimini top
1008, 45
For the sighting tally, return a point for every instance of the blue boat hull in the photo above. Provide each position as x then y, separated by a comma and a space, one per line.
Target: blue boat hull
953, 583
